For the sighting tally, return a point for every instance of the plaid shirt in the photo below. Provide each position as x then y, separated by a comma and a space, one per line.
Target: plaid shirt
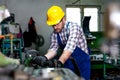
75, 38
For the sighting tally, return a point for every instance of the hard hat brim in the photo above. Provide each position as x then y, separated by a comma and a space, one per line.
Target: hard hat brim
50, 23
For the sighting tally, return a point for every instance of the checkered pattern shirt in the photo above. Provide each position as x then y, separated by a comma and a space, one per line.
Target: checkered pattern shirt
75, 38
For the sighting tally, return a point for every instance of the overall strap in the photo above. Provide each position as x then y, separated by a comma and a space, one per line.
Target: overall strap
58, 37
59, 40
67, 28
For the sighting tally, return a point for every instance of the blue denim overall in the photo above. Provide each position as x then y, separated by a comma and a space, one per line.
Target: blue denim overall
81, 58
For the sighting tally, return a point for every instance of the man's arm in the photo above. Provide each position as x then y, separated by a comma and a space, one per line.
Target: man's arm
65, 55
50, 54
53, 47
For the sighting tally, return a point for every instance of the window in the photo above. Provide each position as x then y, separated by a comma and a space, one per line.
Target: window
4, 12
73, 14
93, 12
76, 14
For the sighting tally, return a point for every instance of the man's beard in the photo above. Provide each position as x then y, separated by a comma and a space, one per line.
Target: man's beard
58, 30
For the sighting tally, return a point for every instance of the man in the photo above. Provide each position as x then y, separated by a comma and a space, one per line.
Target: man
69, 37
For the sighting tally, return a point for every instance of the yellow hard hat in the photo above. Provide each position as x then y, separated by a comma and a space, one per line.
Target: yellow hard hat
54, 15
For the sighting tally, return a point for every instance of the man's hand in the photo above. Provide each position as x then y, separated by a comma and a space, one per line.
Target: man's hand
39, 60
54, 63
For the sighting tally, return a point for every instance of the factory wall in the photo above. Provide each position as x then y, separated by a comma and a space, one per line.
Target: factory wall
24, 9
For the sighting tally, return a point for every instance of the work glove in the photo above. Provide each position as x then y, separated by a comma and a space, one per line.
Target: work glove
39, 60
54, 63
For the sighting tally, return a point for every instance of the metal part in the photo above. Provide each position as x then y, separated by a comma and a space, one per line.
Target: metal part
20, 72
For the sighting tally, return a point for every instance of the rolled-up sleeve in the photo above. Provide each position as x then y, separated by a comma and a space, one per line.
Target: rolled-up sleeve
53, 43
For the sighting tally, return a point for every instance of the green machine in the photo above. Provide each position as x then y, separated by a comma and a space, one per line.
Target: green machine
29, 55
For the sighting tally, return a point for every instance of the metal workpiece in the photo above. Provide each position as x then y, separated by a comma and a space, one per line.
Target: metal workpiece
54, 74
21, 72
